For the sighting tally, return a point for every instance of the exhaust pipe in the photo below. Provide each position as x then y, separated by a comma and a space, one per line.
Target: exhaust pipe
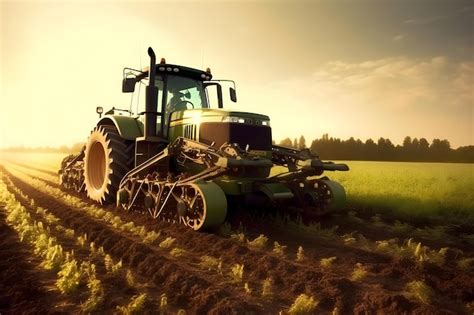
151, 98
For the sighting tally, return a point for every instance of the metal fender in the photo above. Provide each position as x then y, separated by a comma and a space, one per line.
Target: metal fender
129, 128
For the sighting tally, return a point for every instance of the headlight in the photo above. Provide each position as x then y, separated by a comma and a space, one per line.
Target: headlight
232, 119
250, 121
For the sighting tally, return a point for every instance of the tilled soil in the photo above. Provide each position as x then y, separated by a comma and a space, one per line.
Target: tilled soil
199, 291
24, 287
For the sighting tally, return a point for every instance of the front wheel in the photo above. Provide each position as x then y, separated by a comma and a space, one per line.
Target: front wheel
108, 157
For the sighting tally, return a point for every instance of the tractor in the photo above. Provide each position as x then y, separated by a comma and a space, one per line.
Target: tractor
184, 162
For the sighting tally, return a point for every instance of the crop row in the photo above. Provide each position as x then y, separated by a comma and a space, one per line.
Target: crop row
72, 274
147, 258
230, 273
54, 258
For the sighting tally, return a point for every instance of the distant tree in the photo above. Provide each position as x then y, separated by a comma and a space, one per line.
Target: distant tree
302, 143
407, 142
370, 149
412, 149
440, 149
286, 143
423, 145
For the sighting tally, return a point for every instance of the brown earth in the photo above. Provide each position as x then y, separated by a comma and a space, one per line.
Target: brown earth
24, 287
198, 291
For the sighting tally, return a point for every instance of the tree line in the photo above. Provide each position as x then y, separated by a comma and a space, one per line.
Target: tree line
416, 150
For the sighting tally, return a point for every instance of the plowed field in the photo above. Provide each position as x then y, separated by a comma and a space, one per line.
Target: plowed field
62, 253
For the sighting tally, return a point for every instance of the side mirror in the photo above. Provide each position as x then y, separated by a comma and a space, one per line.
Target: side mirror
99, 110
233, 95
128, 85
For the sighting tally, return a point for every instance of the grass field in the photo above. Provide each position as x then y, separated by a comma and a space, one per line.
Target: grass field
411, 191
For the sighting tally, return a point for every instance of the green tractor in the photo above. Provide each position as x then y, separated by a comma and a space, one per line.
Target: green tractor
181, 161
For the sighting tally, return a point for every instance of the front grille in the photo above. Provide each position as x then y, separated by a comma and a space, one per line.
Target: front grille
190, 132
256, 137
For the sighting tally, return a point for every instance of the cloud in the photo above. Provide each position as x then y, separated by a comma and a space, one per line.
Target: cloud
390, 97
424, 20
398, 38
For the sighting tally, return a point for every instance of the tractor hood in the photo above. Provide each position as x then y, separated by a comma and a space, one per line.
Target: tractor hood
219, 126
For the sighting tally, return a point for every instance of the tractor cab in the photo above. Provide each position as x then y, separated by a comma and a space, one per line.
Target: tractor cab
179, 88
173, 90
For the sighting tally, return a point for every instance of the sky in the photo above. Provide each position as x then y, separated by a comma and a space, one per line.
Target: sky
363, 69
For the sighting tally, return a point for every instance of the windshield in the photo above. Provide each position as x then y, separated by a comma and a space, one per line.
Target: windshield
184, 93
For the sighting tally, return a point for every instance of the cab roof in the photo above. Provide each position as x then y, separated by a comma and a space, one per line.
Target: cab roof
166, 68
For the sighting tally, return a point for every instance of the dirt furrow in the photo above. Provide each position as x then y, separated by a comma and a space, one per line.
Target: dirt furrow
25, 287
38, 169
184, 286
118, 292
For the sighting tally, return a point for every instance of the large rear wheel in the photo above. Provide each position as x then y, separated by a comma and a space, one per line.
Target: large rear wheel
108, 157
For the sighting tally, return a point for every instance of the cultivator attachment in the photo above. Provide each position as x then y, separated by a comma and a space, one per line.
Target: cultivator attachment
71, 174
196, 197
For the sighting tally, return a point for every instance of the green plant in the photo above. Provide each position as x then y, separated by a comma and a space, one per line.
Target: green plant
130, 278
260, 242
69, 233
163, 304
96, 292
421, 291
279, 249
140, 231
327, 262
267, 287
247, 289
300, 254
128, 227
210, 263
167, 243
349, 239
239, 237
116, 222
177, 252
69, 277
135, 306
54, 258
303, 305
151, 237
110, 266
359, 272
237, 272
82, 240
